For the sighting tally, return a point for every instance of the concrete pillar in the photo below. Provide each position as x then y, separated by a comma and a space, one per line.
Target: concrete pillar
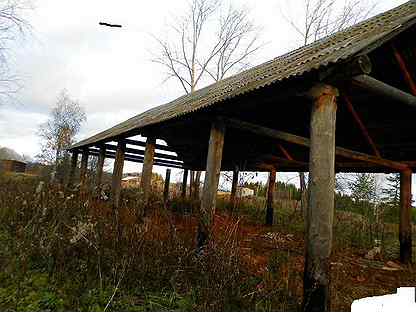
212, 175
118, 173
320, 211
146, 179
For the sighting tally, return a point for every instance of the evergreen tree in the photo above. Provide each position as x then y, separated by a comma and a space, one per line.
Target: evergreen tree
391, 193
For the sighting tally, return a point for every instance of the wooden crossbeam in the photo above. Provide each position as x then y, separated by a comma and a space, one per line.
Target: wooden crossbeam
298, 140
135, 151
143, 144
383, 89
138, 159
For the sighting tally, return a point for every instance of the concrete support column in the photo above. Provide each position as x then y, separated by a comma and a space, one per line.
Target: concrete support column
212, 176
320, 211
118, 174
146, 179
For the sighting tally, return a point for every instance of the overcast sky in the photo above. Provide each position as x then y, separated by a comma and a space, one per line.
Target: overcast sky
109, 70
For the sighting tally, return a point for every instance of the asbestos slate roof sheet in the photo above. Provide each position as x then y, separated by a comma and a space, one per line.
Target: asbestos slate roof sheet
329, 50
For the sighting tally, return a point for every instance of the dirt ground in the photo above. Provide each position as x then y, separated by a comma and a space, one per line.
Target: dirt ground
352, 275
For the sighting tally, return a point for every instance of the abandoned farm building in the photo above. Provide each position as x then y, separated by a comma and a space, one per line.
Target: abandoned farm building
346, 103
10, 161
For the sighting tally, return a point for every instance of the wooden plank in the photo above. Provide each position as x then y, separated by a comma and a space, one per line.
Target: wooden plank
405, 234
184, 182
166, 186
383, 89
135, 151
117, 174
212, 175
74, 162
138, 159
298, 140
146, 180
100, 167
234, 186
318, 238
270, 197
157, 146
361, 125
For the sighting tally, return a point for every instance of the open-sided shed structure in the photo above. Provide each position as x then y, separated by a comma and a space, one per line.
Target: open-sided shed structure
346, 103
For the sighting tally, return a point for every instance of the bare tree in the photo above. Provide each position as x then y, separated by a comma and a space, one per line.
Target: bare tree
320, 18
12, 26
207, 42
59, 132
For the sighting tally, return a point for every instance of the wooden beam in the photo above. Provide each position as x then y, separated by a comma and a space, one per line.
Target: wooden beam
74, 162
100, 167
84, 171
320, 210
270, 197
234, 187
146, 180
135, 151
157, 146
406, 73
285, 152
117, 174
166, 187
361, 125
184, 182
298, 140
138, 159
212, 175
382, 89
405, 235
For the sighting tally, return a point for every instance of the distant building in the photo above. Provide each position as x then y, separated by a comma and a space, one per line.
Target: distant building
130, 181
244, 192
10, 161
11, 165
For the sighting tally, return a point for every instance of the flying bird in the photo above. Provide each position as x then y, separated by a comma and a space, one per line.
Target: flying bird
109, 25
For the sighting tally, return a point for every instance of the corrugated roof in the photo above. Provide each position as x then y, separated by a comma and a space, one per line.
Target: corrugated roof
332, 49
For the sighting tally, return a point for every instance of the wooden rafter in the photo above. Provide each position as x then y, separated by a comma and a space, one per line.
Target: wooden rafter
361, 125
403, 67
298, 140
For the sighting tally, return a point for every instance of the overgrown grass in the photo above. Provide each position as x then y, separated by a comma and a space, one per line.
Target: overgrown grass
62, 251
